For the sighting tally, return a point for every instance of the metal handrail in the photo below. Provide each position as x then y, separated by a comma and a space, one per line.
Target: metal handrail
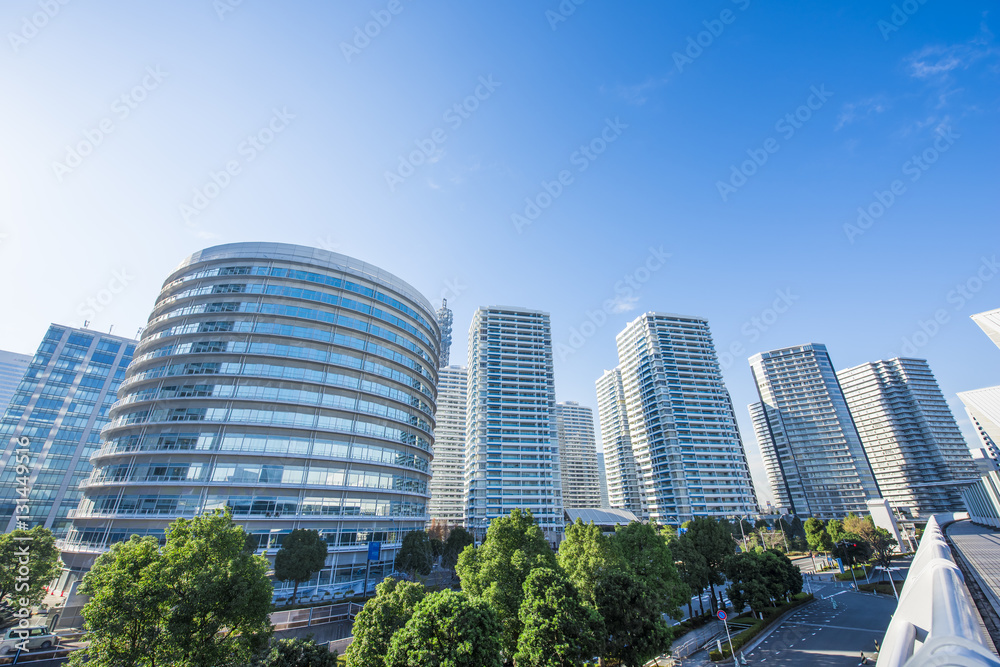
936, 622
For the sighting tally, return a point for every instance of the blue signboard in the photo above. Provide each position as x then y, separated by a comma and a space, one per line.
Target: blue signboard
374, 550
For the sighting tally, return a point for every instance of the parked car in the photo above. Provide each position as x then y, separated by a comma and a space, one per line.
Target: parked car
38, 637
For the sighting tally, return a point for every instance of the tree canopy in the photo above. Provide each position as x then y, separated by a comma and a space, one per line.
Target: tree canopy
458, 539
558, 630
447, 629
692, 568
380, 618
816, 536
644, 551
496, 570
415, 555
758, 580
852, 550
298, 652
39, 547
302, 554
586, 555
635, 631
201, 600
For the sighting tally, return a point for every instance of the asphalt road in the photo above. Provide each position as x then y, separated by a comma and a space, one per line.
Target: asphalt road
820, 635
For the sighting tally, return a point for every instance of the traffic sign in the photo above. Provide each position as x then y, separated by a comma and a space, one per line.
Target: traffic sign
721, 615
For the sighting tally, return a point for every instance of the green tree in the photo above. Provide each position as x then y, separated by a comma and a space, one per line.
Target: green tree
635, 631
415, 555
852, 550
585, 555
201, 600
692, 569
748, 581
458, 539
302, 554
645, 552
380, 618
437, 547
497, 569
39, 547
299, 652
816, 535
125, 615
219, 592
447, 629
882, 544
783, 578
715, 544
559, 631
835, 529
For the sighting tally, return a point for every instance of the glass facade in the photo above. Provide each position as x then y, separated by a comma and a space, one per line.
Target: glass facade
619, 461
813, 454
581, 486
12, 368
688, 451
59, 408
512, 453
448, 480
294, 386
916, 450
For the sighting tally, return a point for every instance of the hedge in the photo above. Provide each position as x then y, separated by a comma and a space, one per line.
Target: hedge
859, 572
770, 615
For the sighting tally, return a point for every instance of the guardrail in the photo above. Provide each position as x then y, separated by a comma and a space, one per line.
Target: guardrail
301, 618
936, 622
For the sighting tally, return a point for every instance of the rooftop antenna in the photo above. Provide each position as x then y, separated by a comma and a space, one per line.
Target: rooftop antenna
138, 332
86, 324
111, 329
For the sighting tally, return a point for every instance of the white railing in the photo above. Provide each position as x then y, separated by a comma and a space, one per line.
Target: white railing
936, 622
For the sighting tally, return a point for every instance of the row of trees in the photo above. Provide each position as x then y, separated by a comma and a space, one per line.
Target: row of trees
599, 596
854, 540
419, 549
203, 599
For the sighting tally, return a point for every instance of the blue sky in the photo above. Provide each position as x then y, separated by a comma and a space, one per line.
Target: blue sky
643, 110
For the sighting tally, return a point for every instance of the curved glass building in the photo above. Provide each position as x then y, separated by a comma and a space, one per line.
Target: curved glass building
295, 386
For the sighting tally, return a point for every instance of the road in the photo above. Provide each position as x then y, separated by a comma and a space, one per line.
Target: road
820, 635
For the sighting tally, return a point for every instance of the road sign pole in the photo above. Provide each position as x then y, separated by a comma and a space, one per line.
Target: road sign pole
730, 638
722, 616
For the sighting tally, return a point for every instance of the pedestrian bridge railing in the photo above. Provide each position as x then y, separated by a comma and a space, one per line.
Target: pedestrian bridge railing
936, 622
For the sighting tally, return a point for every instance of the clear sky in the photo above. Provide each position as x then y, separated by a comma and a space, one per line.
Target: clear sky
703, 158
